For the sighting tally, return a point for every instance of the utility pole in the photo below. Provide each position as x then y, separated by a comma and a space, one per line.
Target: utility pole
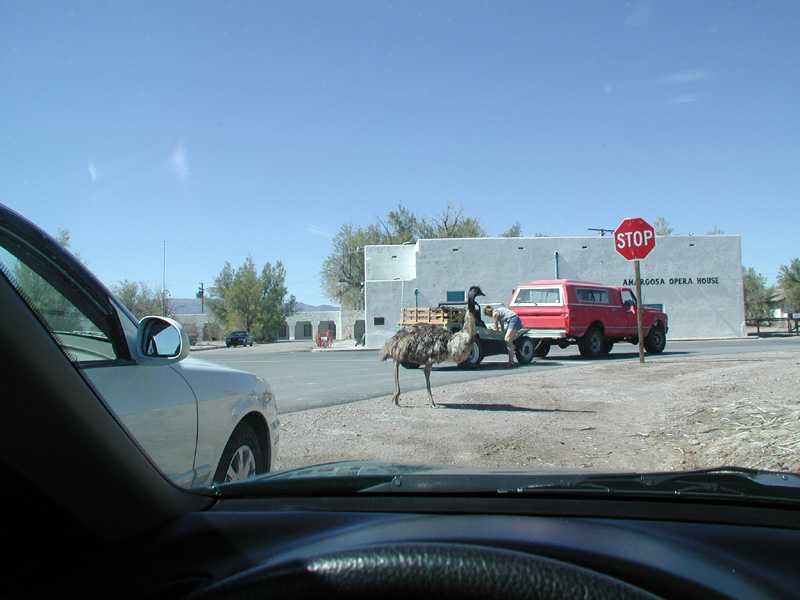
201, 294
164, 283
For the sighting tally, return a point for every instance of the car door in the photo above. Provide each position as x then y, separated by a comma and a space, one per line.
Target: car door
152, 400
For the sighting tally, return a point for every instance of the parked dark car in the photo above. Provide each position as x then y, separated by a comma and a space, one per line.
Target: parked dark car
239, 338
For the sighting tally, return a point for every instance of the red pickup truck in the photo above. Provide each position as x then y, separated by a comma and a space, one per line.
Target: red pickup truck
591, 315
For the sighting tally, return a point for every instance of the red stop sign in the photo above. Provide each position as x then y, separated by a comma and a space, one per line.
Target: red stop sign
634, 239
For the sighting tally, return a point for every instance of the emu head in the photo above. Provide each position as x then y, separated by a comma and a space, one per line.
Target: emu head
474, 291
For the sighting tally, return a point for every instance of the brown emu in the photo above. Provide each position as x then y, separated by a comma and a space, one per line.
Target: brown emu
425, 344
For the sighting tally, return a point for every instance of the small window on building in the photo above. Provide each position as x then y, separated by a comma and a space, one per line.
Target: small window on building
307, 330
455, 296
378, 321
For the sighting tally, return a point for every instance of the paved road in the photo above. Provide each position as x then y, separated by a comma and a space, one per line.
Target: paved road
302, 379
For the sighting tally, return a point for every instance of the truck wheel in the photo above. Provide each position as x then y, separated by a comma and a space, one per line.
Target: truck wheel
656, 340
591, 343
474, 357
607, 345
542, 348
524, 350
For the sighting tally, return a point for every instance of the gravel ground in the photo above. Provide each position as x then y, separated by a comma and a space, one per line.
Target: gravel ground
668, 413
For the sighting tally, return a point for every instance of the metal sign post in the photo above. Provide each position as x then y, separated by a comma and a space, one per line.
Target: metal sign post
634, 239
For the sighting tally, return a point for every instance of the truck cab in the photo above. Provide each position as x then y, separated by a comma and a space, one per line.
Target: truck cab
592, 315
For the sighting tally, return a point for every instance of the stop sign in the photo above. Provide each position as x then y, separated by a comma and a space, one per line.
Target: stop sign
634, 239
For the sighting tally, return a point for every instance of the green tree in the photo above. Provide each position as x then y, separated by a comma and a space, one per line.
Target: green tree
756, 294
514, 231
216, 293
342, 272
451, 223
245, 299
789, 280
141, 299
715, 231
276, 306
662, 227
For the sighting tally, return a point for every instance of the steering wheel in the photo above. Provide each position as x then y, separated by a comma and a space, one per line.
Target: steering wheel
438, 570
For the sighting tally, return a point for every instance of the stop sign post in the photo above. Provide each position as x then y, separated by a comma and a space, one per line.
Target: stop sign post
634, 239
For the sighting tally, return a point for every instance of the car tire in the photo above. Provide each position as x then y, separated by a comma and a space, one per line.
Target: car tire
242, 457
608, 345
591, 343
656, 340
474, 357
524, 349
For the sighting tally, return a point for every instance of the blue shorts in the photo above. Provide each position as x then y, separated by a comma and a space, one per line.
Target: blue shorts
514, 323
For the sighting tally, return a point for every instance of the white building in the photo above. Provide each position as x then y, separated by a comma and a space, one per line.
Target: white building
696, 280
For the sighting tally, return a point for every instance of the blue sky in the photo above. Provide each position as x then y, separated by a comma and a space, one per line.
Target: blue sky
217, 130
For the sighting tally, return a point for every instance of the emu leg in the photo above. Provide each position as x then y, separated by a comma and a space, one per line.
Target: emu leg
428, 383
396, 396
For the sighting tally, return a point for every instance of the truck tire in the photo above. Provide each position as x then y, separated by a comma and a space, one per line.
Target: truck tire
475, 356
591, 343
656, 340
542, 348
524, 349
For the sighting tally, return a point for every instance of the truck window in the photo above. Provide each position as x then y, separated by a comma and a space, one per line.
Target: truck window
589, 295
628, 298
538, 296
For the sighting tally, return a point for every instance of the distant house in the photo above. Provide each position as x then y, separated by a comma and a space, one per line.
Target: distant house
305, 324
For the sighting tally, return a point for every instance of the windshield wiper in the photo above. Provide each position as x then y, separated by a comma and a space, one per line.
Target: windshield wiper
738, 482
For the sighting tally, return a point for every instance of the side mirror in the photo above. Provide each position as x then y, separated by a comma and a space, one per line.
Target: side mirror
160, 341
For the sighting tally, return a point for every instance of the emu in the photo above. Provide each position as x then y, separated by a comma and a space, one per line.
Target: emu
426, 344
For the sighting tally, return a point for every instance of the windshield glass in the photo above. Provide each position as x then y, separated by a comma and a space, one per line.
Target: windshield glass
457, 213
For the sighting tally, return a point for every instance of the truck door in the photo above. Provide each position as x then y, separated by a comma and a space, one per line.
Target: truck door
629, 306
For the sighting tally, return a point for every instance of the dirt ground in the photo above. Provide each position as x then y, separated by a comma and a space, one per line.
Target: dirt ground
673, 412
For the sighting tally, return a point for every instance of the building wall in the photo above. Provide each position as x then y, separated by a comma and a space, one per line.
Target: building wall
696, 279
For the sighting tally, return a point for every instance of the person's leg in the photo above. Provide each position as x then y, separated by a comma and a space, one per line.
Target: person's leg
511, 335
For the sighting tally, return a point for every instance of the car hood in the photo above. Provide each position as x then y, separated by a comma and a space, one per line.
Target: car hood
379, 478
211, 380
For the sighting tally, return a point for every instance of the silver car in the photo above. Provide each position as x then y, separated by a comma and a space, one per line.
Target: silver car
199, 423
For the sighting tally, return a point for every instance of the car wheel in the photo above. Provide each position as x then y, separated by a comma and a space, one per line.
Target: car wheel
591, 343
542, 348
474, 357
242, 456
607, 345
524, 350
656, 340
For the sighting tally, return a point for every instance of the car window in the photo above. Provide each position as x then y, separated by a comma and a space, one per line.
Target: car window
387, 158
79, 325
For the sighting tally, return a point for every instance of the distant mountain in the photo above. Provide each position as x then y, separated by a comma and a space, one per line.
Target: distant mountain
191, 306
308, 308
185, 306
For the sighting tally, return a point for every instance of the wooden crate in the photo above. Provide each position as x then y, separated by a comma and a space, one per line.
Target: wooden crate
439, 315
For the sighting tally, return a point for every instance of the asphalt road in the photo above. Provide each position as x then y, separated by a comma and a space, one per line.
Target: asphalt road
302, 379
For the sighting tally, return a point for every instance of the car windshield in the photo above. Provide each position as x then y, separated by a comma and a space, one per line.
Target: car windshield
507, 236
